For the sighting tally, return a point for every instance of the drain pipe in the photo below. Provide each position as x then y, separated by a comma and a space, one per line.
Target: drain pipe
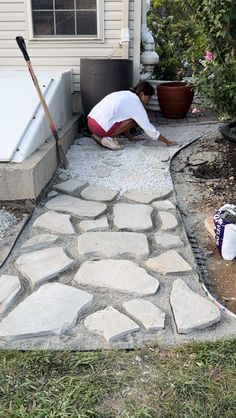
149, 57
125, 36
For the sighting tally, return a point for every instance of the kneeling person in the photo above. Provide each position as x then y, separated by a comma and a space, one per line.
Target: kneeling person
120, 111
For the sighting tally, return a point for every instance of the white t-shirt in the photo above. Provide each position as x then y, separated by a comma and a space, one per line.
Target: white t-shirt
120, 106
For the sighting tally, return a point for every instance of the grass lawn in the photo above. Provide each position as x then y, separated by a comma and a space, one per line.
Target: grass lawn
194, 380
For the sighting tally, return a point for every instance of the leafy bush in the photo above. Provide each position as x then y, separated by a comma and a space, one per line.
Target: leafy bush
214, 68
198, 38
172, 30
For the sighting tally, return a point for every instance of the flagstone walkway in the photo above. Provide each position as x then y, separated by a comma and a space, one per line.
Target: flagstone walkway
105, 260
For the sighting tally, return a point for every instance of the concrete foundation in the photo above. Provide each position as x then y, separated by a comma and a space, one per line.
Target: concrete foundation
26, 180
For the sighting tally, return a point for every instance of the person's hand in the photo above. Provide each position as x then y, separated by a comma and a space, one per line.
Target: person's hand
171, 143
166, 141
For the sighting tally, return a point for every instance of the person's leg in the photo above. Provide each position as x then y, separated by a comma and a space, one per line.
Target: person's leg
103, 137
124, 128
108, 139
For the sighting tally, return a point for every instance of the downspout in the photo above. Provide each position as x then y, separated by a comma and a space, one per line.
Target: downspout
125, 36
149, 57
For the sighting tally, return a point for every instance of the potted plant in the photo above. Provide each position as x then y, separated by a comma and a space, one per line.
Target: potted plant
175, 98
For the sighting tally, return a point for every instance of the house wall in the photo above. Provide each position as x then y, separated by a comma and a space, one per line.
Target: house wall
57, 54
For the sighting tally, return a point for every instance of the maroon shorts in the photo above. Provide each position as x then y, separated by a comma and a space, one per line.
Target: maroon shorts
96, 129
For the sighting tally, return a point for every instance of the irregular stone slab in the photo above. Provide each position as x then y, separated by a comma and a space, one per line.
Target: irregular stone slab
99, 193
163, 205
168, 241
9, 289
191, 311
103, 172
39, 241
113, 162
52, 310
142, 197
122, 275
55, 222
42, 265
110, 244
132, 216
168, 221
110, 324
168, 262
53, 193
163, 155
70, 185
98, 224
76, 206
160, 154
63, 176
147, 313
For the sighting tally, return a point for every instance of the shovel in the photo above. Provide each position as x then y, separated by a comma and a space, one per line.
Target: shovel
60, 152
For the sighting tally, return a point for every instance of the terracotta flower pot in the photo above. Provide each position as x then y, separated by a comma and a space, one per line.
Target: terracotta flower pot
175, 99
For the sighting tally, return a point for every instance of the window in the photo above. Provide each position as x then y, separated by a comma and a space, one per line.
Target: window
65, 18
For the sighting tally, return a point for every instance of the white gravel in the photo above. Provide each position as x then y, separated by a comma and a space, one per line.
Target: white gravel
136, 167
7, 220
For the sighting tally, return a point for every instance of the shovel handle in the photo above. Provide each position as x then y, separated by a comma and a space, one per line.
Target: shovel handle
21, 43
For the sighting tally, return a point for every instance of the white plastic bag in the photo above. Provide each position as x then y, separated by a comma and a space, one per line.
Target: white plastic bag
228, 250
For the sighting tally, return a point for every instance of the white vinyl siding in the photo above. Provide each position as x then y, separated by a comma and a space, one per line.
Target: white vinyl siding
58, 54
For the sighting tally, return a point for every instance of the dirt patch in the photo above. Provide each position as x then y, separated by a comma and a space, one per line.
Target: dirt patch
13, 216
204, 175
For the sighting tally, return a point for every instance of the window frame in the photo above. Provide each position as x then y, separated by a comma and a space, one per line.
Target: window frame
72, 38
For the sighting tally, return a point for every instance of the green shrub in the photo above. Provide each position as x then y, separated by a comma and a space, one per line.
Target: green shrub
215, 75
172, 30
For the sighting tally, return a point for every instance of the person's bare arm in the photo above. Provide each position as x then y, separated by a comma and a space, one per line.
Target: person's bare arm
166, 141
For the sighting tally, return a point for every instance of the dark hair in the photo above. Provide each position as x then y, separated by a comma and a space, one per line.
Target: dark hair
143, 87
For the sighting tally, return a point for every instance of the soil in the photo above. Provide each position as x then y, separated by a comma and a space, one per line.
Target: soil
13, 216
204, 175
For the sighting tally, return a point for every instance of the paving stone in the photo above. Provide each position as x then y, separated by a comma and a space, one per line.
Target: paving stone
132, 216
52, 310
110, 244
168, 262
168, 221
99, 193
70, 185
142, 197
163, 205
42, 265
75, 206
103, 172
98, 224
53, 193
9, 289
191, 311
63, 176
168, 241
55, 222
163, 155
147, 313
113, 162
39, 241
122, 275
110, 324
